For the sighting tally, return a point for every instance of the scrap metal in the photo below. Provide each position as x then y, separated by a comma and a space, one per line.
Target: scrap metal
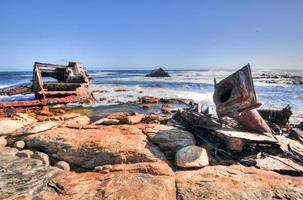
71, 85
235, 97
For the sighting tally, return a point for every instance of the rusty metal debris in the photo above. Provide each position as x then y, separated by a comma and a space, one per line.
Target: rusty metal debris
235, 97
52, 84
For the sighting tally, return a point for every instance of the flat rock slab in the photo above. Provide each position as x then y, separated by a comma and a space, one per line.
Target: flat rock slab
236, 182
93, 147
24, 178
281, 165
115, 185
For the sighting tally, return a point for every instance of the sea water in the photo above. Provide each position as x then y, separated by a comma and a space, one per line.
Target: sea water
197, 85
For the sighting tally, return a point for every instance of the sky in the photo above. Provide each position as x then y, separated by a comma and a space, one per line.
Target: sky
145, 34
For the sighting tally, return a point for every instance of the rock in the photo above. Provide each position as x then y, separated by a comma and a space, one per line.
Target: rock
153, 118
116, 183
132, 119
41, 156
80, 121
192, 156
103, 99
63, 165
166, 109
106, 121
291, 148
149, 100
88, 148
146, 106
68, 116
9, 127
40, 127
171, 100
236, 182
158, 73
19, 144
27, 119
121, 90
153, 168
24, 178
25, 153
3, 142
280, 165
172, 139
44, 111
296, 134
117, 115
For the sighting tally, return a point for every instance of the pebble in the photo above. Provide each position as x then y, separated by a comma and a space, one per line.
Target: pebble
41, 156
19, 144
63, 165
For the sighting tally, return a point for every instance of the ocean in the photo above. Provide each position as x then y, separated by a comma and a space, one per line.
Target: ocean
191, 84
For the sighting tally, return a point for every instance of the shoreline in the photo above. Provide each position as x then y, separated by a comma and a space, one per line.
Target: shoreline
121, 151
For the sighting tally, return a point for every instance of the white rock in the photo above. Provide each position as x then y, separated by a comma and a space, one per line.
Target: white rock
63, 165
41, 156
107, 121
192, 156
25, 153
19, 144
42, 127
8, 126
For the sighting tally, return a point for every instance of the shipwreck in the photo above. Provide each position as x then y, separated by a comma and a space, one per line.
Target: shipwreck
51, 84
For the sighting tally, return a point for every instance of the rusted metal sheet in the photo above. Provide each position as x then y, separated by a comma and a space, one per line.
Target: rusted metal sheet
235, 93
235, 97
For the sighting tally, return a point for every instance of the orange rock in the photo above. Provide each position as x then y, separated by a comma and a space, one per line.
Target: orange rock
93, 147
236, 182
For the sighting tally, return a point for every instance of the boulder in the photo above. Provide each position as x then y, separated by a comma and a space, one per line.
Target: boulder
149, 100
158, 73
10, 127
236, 182
192, 156
117, 182
93, 147
171, 138
25, 178
135, 118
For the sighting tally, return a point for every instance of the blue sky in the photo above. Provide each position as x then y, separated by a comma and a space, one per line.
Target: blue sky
144, 34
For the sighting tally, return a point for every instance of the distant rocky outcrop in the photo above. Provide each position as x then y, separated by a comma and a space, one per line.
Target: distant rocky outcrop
158, 73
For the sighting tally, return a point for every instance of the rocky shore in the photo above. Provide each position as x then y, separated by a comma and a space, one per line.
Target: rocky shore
59, 154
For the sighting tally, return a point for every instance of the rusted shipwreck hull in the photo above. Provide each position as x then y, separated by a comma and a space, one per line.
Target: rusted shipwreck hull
51, 84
